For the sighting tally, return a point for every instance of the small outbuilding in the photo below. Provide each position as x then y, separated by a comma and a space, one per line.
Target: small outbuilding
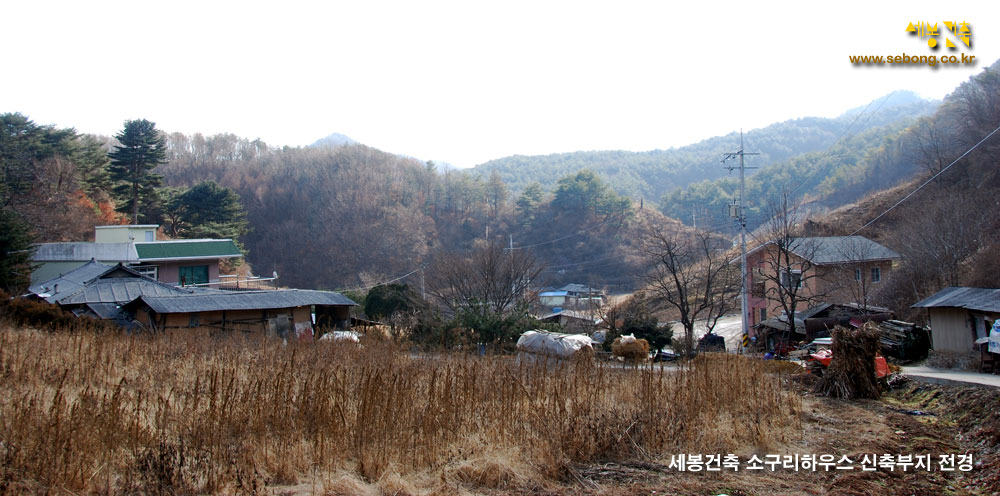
959, 316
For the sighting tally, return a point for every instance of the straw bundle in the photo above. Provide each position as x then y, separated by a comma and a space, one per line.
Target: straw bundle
851, 374
631, 349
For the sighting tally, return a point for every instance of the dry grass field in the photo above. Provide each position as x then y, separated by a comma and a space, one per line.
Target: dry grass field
88, 413
108, 413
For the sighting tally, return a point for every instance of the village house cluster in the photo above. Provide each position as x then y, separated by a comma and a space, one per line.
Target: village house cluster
128, 276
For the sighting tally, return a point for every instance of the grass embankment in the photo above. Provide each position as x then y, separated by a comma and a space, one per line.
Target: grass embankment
86, 412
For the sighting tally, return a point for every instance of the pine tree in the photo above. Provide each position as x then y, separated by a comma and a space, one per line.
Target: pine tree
16, 251
207, 210
142, 148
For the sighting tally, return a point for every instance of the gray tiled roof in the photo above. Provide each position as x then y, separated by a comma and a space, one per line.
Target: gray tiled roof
69, 282
982, 299
840, 249
119, 290
248, 300
579, 288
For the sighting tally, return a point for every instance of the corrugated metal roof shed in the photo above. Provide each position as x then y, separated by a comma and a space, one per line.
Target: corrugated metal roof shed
982, 299
71, 252
69, 282
198, 248
246, 300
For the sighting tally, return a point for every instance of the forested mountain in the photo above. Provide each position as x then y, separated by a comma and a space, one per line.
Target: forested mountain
654, 173
877, 159
929, 194
351, 216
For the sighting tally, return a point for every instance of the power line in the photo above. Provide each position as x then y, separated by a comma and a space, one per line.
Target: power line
960, 157
595, 226
597, 266
848, 128
381, 283
580, 263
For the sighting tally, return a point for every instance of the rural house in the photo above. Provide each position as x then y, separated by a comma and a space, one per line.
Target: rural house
181, 262
280, 312
579, 295
99, 290
959, 316
571, 320
131, 299
838, 269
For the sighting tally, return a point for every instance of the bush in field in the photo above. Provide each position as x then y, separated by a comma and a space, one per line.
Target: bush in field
34, 313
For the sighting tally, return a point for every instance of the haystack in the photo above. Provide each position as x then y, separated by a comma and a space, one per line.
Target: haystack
851, 374
631, 349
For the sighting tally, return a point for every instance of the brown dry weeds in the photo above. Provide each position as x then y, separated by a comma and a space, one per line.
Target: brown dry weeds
180, 413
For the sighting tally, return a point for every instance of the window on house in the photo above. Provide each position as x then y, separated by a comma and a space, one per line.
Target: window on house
194, 274
757, 290
857, 274
149, 236
876, 274
791, 279
763, 314
194, 319
147, 270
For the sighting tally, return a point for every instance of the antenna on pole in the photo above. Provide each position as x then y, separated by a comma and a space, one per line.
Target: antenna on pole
739, 212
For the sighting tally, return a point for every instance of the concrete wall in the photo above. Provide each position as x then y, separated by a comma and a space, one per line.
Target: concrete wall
122, 234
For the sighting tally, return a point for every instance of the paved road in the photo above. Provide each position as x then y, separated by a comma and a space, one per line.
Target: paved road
948, 376
729, 327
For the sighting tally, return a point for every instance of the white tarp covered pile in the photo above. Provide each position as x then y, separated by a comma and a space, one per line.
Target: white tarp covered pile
341, 336
553, 344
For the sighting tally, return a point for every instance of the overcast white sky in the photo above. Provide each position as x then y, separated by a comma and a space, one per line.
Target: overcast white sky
464, 82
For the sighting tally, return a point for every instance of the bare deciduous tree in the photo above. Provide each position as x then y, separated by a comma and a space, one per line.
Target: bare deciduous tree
690, 273
487, 289
788, 261
855, 278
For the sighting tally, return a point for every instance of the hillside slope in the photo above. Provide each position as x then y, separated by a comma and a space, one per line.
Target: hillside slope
651, 174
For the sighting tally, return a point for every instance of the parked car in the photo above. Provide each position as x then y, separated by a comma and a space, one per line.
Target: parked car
664, 356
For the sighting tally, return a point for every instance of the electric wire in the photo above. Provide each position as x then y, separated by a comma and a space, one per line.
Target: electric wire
925, 183
381, 283
595, 226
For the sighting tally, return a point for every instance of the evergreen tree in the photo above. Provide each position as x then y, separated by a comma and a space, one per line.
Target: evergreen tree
207, 210
142, 148
92, 166
23, 144
16, 251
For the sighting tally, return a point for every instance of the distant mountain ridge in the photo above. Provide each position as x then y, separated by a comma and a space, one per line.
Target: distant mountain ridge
652, 174
333, 141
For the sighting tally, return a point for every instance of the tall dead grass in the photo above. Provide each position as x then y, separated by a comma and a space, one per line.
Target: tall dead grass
181, 413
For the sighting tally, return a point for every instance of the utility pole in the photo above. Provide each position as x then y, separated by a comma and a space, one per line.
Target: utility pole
741, 215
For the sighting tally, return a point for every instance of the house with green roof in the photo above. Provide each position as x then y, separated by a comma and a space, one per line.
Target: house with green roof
185, 262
